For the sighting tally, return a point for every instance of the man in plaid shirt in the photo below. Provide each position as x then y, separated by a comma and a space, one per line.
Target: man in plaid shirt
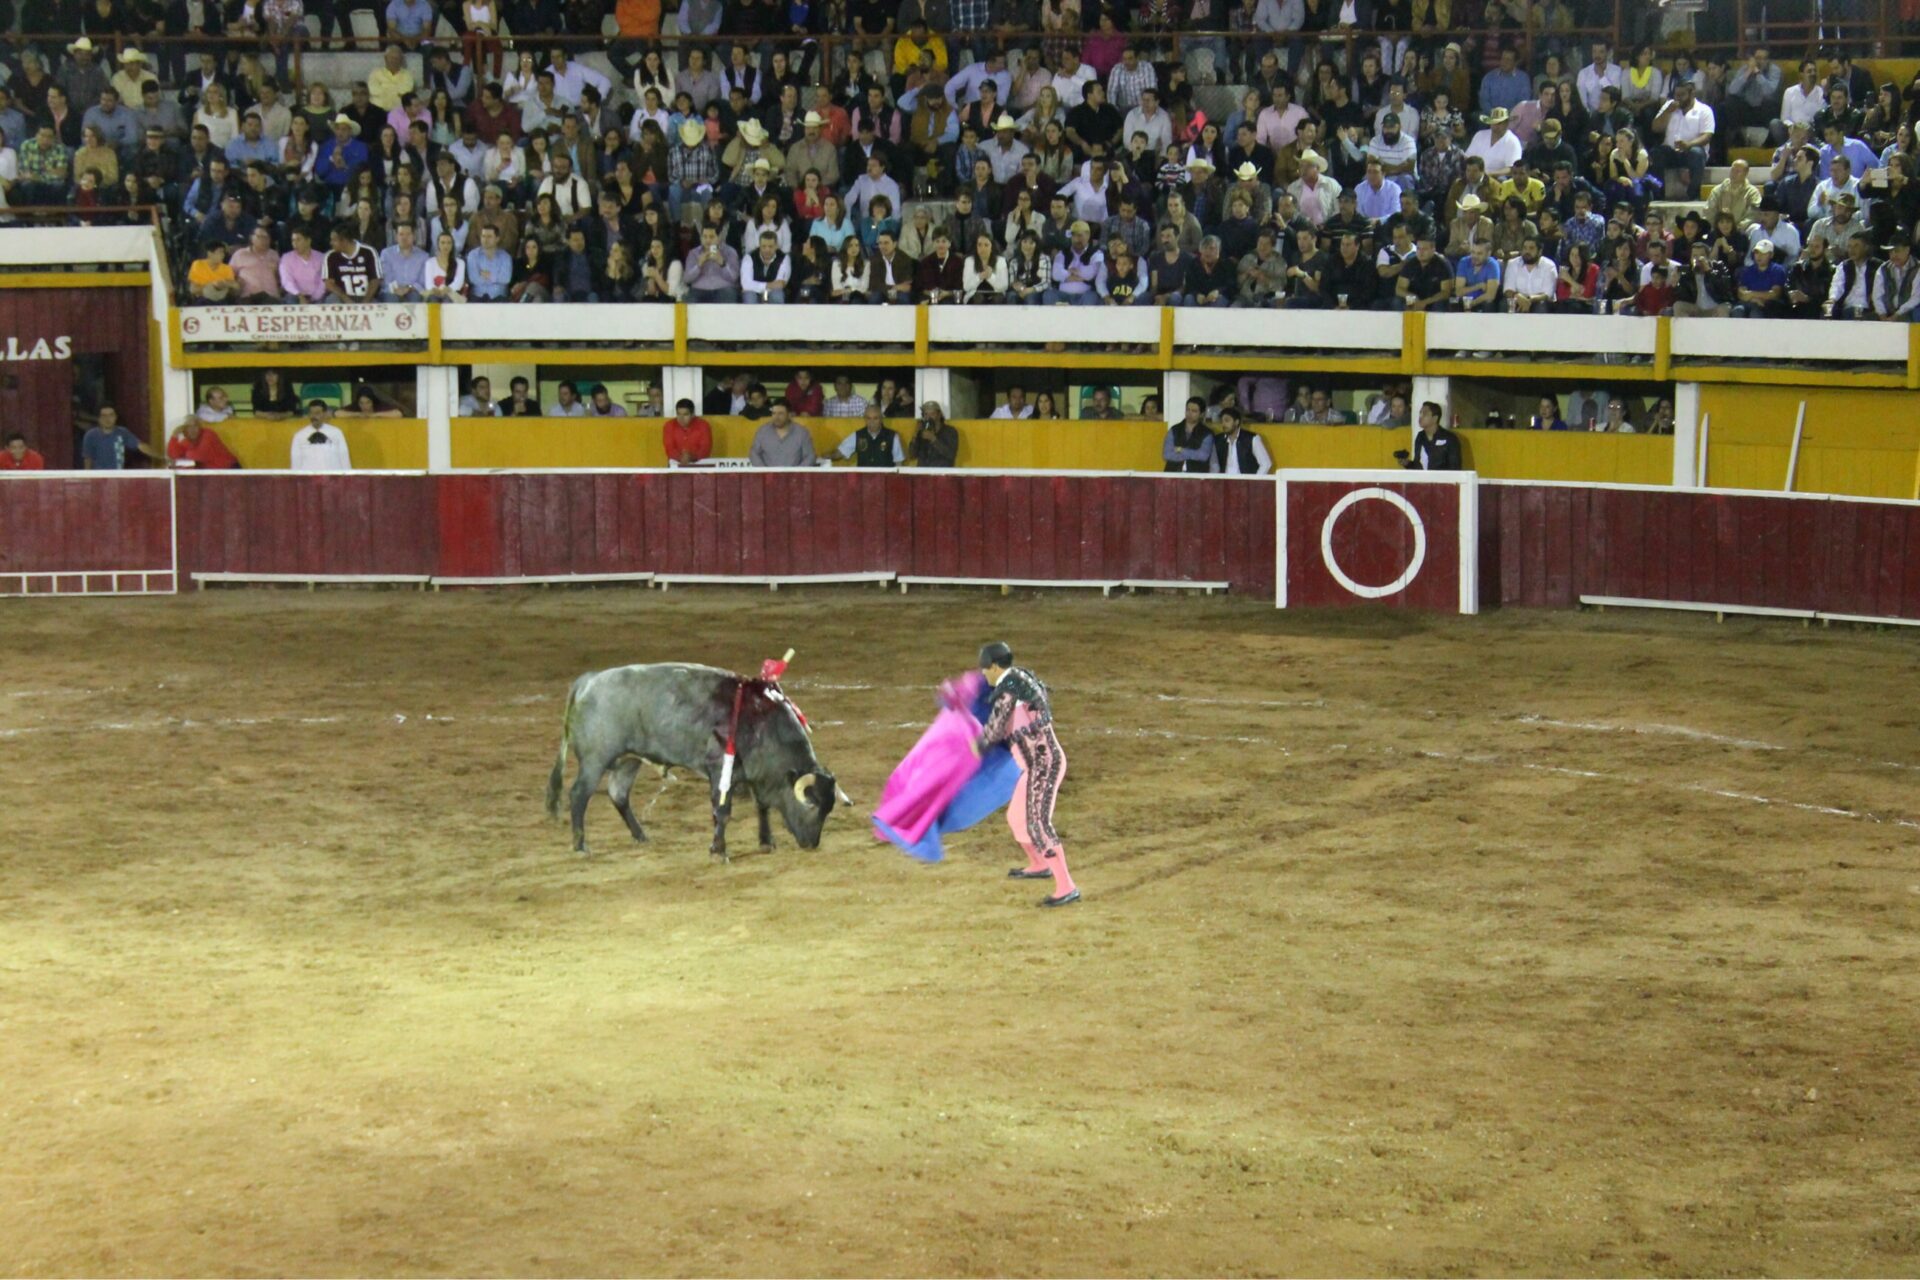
691, 166
970, 19
1129, 76
46, 165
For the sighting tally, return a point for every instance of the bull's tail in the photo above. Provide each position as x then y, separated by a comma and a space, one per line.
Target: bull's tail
559, 774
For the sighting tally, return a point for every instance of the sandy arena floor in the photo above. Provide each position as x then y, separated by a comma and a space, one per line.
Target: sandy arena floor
1535, 943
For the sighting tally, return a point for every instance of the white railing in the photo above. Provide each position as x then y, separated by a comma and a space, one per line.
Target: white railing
1215, 327
638, 322
985, 326
1843, 341
1556, 334
836, 326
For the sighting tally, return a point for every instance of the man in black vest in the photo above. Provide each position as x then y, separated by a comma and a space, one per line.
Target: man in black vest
875, 444
1435, 448
1237, 452
1189, 444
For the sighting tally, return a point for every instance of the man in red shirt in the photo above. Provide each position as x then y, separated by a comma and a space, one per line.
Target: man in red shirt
17, 457
688, 439
196, 444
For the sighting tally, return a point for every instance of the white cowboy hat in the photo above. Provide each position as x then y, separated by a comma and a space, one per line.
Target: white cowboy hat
1313, 158
1200, 162
1004, 122
82, 45
1246, 172
132, 55
691, 132
347, 120
753, 131
813, 120
1469, 202
1497, 116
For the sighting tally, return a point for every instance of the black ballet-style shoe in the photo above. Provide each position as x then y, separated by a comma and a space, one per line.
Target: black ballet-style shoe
1061, 899
1029, 873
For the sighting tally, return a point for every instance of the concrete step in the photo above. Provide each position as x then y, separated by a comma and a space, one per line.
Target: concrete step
1674, 210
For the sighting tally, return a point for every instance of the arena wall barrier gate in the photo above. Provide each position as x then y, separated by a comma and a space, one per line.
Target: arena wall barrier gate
1486, 543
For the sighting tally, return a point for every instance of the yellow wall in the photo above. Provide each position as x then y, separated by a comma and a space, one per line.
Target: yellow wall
1862, 443
377, 444
1569, 455
604, 442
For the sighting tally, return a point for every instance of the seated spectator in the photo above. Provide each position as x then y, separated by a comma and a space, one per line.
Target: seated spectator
1496, 146
568, 403
368, 403
1211, 280
1578, 290
758, 406
804, 396
303, 269
319, 445
600, 403
1426, 279
1471, 227
1351, 281
1016, 405
256, 269
1318, 411
478, 401
519, 403
1263, 273
1237, 452
890, 272
688, 439
781, 442
1705, 286
1547, 416
1896, 290
1687, 125
764, 273
941, 275
1762, 285
1100, 408
403, 266
1477, 279
1851, 295
444, 278
1531, 282
210, 280
194, 444
1616, 420
1079, 270
272, 396
935, 441
875, 444
353, 270
15, 456
215, 407
712, 270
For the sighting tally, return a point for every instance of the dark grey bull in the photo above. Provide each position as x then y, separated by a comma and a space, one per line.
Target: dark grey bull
676, 715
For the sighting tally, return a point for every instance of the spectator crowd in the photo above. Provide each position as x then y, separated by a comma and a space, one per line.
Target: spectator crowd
1024, 152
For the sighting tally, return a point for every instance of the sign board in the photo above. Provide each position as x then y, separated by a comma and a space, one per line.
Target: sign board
320, 322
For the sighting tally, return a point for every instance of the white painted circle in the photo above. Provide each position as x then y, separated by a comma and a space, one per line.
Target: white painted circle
1419, 542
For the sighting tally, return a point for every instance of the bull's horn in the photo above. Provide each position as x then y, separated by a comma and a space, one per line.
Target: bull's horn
802, 785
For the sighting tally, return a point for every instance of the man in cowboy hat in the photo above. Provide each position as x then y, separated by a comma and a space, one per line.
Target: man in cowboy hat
749, 145
1470, 227
1497, 146
1004, 149
692, 169
82, 77
1247, 183
813, 152
342, 157
132, 74
1317, 195
1248, 149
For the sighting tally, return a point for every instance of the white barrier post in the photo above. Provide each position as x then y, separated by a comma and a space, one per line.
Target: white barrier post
1793, 454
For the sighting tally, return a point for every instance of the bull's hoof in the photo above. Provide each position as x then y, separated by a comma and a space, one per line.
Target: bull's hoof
582, 851
766, 846
719, 855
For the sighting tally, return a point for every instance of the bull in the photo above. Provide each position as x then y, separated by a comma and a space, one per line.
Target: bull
678, 715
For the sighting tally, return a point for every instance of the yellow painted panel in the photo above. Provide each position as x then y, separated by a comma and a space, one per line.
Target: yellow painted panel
1334, 447
377, 444
1862, 443
602, 442
1569, 455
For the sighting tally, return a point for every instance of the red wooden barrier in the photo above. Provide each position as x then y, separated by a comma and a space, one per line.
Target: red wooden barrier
55, 527
294, 524
1551, 544
1360, 537
1542, 545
